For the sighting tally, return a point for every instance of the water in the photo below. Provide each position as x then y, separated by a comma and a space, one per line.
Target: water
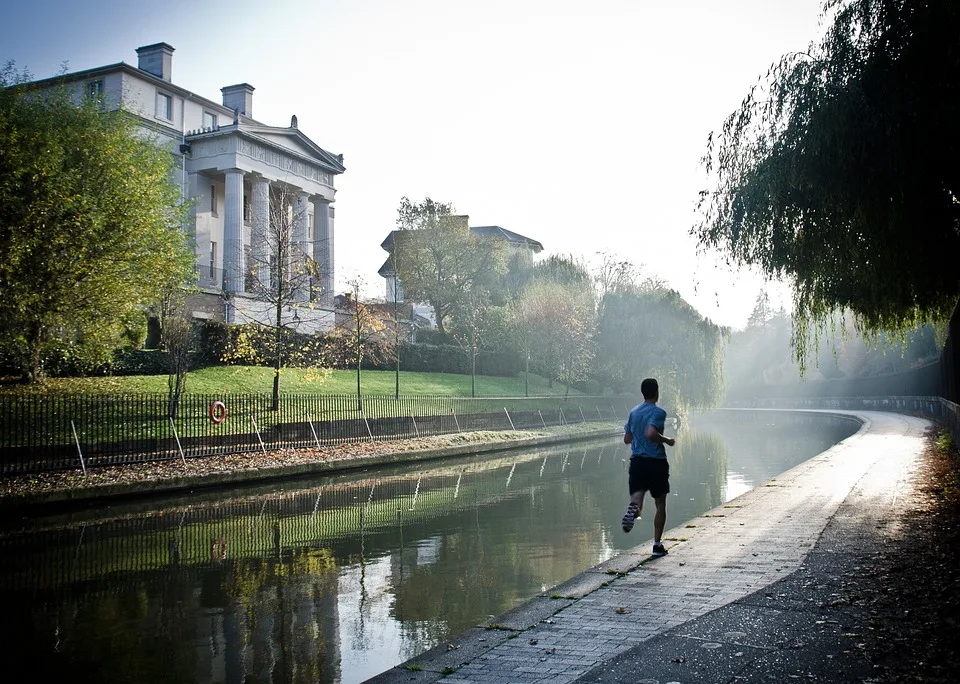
336, 579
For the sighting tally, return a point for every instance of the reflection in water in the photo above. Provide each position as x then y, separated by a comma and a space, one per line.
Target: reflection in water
339, 578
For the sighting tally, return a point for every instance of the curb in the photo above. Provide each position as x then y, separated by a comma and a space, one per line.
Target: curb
129, 490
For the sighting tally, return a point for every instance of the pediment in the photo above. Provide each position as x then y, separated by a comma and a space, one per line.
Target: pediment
292, 140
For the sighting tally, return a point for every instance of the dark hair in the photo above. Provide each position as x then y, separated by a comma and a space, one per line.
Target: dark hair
650, 389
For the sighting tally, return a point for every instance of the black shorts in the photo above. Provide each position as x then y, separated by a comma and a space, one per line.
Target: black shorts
649, 474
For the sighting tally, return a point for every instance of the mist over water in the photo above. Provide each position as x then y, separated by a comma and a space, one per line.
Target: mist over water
338, 578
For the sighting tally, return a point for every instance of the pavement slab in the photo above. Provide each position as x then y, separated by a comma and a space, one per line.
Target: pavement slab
750, 591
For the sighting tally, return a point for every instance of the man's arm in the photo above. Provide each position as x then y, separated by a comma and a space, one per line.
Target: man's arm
627, 437
655, 436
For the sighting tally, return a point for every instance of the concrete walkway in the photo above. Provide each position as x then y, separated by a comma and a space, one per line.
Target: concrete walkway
706, 612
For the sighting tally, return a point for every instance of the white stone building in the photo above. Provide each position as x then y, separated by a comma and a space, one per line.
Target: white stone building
236, 170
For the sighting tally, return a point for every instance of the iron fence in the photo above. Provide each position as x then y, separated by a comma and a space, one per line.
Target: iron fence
58, 432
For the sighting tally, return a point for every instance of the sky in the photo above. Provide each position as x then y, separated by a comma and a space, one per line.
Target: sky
578, 124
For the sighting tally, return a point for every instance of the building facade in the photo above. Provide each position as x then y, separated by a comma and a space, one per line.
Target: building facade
248, 183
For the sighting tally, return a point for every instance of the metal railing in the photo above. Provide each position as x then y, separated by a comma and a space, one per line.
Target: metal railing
39, 433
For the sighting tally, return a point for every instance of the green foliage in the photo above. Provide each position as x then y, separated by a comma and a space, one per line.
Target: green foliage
657, 334
840, 171
90, 226
438, 259
256, 345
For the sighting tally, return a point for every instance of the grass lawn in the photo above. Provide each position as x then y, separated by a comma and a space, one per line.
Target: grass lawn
247, 379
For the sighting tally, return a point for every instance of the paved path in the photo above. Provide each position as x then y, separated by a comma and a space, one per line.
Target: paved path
614, 617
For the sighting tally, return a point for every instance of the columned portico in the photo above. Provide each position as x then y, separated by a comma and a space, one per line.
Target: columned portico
323, 249
302, 251
233, 261
259, 247
280, 166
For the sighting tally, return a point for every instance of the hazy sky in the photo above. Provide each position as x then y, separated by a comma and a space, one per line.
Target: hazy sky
579, 124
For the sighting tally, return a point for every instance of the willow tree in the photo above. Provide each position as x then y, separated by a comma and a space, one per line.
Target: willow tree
839, 170
654, 332
90, 225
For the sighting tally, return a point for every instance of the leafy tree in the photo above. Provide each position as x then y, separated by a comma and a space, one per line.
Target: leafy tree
90, 225
840, 171
478, 324
555, 322
441, 261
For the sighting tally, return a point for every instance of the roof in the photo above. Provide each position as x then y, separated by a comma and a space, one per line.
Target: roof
483, 231
335, 162
508, 236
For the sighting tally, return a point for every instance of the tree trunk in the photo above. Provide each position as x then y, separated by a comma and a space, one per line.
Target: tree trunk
277, 364
473, 372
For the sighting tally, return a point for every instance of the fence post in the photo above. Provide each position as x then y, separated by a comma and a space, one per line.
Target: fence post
177, 437
582, 418
259, 438
562, 419
599, 414
365, 422
509, 418
454, 412
415, 428
541, 419
77, 440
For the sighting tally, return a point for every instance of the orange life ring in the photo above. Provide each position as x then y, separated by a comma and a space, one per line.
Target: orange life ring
218, 549
218, 411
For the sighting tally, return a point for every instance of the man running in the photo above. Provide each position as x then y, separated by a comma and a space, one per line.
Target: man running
649, 470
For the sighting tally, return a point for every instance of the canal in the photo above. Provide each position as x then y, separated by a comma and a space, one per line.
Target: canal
338, 578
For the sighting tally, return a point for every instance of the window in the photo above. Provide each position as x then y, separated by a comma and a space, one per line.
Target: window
95, 89
246, 208
209, 120
213, 200
164, 106
213, 260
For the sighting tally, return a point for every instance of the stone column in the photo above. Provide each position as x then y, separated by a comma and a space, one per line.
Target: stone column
323, 249
233, 266
260, 247
300, 274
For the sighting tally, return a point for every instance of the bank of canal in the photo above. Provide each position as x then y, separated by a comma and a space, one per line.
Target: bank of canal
335, 578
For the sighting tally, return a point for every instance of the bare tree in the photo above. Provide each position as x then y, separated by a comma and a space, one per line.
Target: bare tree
281, 269
362, 334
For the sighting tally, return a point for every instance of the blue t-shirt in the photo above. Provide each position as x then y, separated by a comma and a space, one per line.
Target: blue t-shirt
647, 413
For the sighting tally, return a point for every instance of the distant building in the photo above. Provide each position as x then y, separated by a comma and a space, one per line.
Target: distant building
520, 249
233, 167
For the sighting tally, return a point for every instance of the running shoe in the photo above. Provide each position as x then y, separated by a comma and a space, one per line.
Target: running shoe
633, 512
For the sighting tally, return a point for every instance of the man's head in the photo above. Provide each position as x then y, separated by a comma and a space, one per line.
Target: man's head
650, 389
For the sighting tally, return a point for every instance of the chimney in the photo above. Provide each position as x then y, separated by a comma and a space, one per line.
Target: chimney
156, 59
239, 97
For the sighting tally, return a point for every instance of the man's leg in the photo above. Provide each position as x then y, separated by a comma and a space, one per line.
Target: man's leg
633, 510
659, 518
